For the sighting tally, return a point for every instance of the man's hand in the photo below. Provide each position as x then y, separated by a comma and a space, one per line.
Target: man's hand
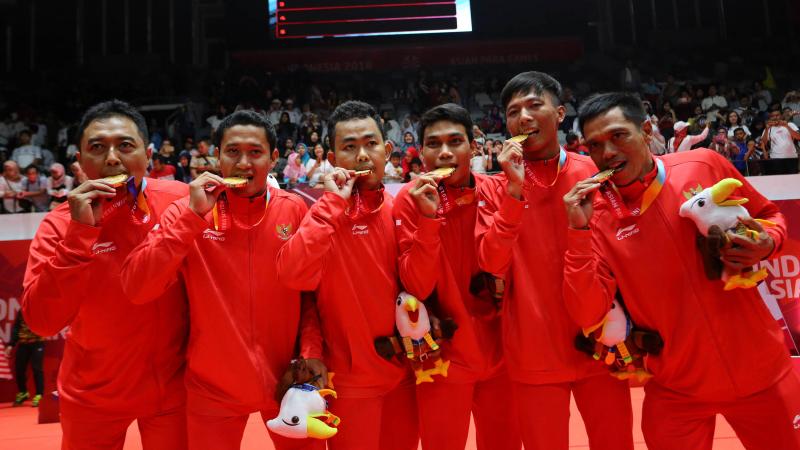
319, 372
742, 252
513, 165
340, 182
204, 191
426, 195
578, 202
86, 201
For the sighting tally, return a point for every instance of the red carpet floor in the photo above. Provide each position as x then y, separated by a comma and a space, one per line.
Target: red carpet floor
19, 431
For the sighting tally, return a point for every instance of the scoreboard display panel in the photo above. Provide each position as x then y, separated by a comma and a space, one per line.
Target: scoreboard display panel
308, 19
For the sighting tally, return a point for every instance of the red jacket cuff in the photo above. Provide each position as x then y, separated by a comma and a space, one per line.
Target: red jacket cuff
330, 206
579, 241
80, 238
428, 230
512, 209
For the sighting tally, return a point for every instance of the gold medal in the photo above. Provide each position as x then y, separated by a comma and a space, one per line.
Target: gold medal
519, 138
604, 175
442, 172
234, 182
117, 180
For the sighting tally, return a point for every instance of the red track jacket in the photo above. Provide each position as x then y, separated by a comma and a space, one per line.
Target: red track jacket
717, 344
120, 359
525, 241
243, 322
352, 266
440, 254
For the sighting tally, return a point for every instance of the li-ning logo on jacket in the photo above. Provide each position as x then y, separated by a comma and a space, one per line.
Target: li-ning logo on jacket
626, 232
103, 247
284, 231
360, 230
214, 235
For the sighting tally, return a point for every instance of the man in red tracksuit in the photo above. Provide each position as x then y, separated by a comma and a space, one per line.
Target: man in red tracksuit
121, 362
521, 233
219, 245
435, 224
345, 250
723, 352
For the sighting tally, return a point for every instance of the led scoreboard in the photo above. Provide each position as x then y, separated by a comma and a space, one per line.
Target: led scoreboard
301, 19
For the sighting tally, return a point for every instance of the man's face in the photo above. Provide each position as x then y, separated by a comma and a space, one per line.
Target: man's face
396, 161
572, 145
446, 145
32, 175
167, 148
774, 116
202, 148
112, 146
10, 170
537, 116
616, 143
739, 135
24, 138
787, 114
712, 91
359, 145
245, 153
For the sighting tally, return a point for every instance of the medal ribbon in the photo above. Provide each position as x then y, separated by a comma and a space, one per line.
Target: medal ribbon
223, 217
530, 174
621, 210
452, 198
359, 207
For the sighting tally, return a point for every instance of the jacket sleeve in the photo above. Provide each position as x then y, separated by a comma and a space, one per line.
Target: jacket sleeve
310, 328
419, 247
301, 260
154, 264
57, 275
497, 228
589, 285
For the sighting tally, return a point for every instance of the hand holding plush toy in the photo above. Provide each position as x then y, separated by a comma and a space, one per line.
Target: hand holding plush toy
715, 213
417, 339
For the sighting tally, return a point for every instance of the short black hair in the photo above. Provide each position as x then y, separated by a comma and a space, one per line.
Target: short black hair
416, 161
160, 158
738, 129
571, 137
527, 82
31, 166
396, 155
449, 112
113, 108
246, 117
353, 110
599, 104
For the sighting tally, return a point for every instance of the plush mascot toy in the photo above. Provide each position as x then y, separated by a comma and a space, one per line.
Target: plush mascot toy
416, 340
621, 347
304, 414
715, 213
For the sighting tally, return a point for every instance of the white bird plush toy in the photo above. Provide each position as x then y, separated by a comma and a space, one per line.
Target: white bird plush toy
304, 414
715, 213
414, 327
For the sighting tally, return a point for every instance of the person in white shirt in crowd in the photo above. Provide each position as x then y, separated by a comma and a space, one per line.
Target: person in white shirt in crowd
713, 103
274, 112
10, 186
58, 185
318, 166
762, 97
734, 122
393, 131
393, 172
791, 107
779, 137
683, 141
215, 119
27, 153
480, 160
294, 112
34, 190
39, 134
